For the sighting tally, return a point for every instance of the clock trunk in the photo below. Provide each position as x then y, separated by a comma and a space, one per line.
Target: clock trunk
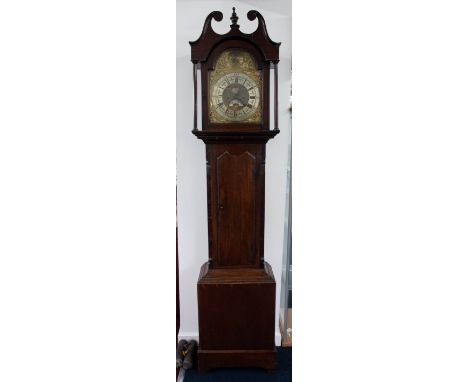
236, 178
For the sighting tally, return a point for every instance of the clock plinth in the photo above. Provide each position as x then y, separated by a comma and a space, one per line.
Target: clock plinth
236, 288
236, 312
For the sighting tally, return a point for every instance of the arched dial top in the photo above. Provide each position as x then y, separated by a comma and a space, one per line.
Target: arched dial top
235, 89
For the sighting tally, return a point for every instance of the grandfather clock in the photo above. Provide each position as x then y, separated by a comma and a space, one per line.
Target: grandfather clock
236, 287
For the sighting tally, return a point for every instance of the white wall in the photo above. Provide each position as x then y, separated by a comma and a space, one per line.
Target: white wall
191, 171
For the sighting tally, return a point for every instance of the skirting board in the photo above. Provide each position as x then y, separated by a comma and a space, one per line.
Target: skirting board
194, 336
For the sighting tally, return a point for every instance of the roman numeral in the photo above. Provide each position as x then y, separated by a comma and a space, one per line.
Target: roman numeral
252, 97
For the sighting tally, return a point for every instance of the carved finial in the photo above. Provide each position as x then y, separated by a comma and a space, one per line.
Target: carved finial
234, 18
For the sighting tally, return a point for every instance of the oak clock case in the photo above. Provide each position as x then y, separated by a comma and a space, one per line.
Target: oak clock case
236, 287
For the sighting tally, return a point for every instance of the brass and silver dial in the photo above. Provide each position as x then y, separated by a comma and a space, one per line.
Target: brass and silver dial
235, 97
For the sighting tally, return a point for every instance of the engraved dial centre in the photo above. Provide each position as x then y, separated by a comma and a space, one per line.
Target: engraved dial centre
235, 96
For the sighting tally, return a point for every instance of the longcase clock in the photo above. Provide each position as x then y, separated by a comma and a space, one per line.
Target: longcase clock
236, 288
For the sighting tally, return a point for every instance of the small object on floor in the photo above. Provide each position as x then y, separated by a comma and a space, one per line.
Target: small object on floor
180, 377
190, 355
179, 352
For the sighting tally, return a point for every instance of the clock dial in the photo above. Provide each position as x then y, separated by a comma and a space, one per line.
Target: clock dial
235, 89
235, 97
